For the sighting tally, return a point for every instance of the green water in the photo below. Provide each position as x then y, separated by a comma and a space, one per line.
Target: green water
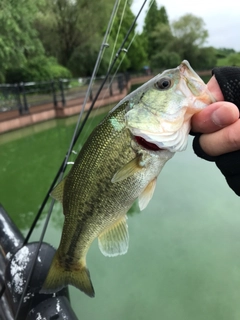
184, 257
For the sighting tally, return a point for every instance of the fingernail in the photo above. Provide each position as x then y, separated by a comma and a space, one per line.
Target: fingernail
217, 118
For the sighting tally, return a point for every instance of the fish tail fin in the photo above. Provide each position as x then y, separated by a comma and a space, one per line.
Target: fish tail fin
76, 275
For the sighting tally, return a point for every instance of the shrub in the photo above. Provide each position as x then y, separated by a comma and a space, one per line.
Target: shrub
37, 69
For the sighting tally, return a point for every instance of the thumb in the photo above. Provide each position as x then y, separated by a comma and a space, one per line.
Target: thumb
215, 117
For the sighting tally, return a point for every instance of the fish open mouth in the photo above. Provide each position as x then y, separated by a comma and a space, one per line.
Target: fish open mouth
147, 145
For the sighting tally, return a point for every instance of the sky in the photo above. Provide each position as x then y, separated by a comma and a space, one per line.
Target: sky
222, 18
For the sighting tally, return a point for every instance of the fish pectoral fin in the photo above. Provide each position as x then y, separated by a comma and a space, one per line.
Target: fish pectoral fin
114, 240
57, 192
147, 194
128, 170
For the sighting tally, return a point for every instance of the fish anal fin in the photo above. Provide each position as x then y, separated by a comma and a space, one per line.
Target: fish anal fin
57, 192
114, 240
127, 170
147, 194
76, 275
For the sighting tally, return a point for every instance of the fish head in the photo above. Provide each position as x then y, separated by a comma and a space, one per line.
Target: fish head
160, 111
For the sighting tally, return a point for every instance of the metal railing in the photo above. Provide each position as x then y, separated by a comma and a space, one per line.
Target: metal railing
56, 93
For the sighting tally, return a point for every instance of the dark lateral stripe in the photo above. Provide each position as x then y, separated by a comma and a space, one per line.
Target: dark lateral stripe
72, 248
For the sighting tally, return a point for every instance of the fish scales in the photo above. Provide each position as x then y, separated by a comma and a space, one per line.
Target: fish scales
119, 163
91, 201
80, 204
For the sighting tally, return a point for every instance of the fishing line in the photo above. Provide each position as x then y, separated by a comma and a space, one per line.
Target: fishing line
63, 165
113, 50
121, 49
62, 168
116, 38
124, 54
76, 134
133, 38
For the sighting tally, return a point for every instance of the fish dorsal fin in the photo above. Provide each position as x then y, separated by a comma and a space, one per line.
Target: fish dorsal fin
114, 240
57, 192
147, 194
128, 170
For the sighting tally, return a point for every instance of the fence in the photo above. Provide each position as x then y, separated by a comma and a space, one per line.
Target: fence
56, 93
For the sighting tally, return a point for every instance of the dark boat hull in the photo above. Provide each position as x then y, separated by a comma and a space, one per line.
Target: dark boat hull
16, 262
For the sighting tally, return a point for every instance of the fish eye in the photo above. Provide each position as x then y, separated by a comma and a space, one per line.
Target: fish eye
163, 84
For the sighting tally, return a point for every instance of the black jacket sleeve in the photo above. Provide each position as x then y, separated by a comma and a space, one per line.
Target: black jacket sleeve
228, 79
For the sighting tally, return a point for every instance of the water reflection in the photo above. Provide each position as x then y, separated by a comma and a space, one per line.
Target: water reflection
183, 261
134, 210
57, 216
29, 160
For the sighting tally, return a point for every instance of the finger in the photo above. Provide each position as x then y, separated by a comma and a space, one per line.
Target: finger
214, 117
214, 88
222, 141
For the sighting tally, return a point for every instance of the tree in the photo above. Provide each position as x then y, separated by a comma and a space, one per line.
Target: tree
82, 61
72, 30
206, 58
224, 52
184, 39
137, 54
19, 40
39, 68
135, 58
154, 20
234, 59
190, 30
190, 35
163, 17
164, 56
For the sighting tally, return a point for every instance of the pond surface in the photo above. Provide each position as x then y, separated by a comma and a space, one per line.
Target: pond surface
184, 257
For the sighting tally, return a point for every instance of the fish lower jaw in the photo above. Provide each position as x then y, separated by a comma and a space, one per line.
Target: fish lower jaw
172, 147
146, 144
172, 141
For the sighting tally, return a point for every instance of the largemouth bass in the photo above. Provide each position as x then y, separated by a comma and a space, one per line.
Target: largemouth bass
119, 163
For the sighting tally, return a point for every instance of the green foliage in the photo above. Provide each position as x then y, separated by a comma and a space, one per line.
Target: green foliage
165, 59
206, 58
72, 31
121, 25
83, 59
227, 57
163, 17
163, 56
154, 21
184, 39
224, 52
190, 30
189, 37
58, 72
234, 59
44, 39
222, 62
152, 18
137, 55
40, 68
19, 40
130, 60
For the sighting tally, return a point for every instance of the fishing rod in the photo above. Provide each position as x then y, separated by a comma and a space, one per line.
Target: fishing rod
62, 168
104, 45
76, 134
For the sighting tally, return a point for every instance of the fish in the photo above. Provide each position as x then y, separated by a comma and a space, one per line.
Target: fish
118, 164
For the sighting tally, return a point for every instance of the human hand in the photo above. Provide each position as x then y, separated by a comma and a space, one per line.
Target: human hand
218, 127
219, 123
